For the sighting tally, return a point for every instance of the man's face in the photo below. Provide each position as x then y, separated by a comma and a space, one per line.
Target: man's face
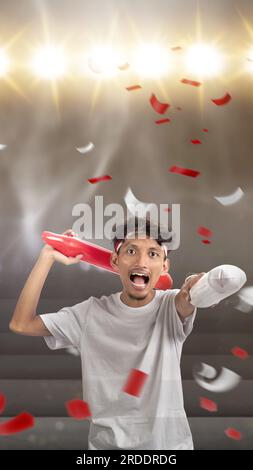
140, 263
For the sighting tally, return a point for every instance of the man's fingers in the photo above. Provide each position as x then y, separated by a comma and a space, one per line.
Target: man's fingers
70, 232
190, 281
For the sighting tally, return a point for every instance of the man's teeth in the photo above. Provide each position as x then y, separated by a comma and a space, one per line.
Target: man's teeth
139, 283
139, 274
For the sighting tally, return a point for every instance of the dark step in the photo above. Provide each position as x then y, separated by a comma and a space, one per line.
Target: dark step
47, 397
196, 343
67, 366
223, 318
60, 433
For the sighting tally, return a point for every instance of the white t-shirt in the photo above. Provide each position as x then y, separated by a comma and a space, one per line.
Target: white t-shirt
113, 339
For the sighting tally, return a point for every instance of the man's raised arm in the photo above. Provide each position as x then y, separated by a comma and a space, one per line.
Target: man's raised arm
25, 320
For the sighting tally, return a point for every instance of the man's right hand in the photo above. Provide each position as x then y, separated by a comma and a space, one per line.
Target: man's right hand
49, 252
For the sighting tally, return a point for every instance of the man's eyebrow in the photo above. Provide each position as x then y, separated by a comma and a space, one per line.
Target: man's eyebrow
150, 248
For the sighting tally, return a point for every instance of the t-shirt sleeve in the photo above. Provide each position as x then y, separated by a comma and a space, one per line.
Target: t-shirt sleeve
181, 329
66, 325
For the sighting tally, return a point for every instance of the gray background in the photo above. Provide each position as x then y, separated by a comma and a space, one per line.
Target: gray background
42, 177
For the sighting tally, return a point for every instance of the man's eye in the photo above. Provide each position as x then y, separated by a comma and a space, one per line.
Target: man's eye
153, 254
131, 251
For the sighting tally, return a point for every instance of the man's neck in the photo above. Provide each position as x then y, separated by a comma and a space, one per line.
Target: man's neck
131, 302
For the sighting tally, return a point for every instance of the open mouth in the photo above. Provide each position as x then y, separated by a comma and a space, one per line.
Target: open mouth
139, 280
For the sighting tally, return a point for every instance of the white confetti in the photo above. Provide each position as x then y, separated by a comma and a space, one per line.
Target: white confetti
245, 297
59, 426
87, 148
95, 66
2, 146
225, 381
231, 198
135, 206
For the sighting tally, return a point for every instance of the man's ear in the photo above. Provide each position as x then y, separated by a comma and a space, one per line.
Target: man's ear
166, 266
114, 261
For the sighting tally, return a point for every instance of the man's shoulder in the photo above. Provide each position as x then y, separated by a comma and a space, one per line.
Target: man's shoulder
104, 299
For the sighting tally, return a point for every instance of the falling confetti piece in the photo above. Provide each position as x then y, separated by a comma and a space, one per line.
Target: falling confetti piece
205, 232
206, 242
124, 66
87, 148
176, 48
162, 121
231, 198
133, 87
134, 204
78, 409
159, 107
135, 382
205, 130
196, 142
59, 426
239, 352
167, 209
205, 370
20, 423
184, 171
95, 66
2, 146
2, 402
178, 108
190, 82
208, 405
245, 299
233, 434
225, 381
100, 178
221, 101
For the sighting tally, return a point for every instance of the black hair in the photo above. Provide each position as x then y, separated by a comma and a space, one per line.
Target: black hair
142, 225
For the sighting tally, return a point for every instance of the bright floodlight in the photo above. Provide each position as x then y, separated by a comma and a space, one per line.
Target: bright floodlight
104, 60
203, 60
49, 62
4, 63
250, 61
151, 60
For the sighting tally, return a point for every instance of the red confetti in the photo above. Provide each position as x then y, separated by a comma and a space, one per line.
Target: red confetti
176, 48
221, 101
159, 107
205, 232
124, 66
100, 178
78, 409
239, 352
133, 87
233, 434
190, 82
196, 141
135, 382
208, 405
184, 171
162, 121
2, 402
167, 209
205, 130
206, 242
20, 423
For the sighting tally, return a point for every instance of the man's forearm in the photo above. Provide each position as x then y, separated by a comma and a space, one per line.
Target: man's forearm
183, 306
26, 307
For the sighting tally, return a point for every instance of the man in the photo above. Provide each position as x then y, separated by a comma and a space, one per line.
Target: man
139, 328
